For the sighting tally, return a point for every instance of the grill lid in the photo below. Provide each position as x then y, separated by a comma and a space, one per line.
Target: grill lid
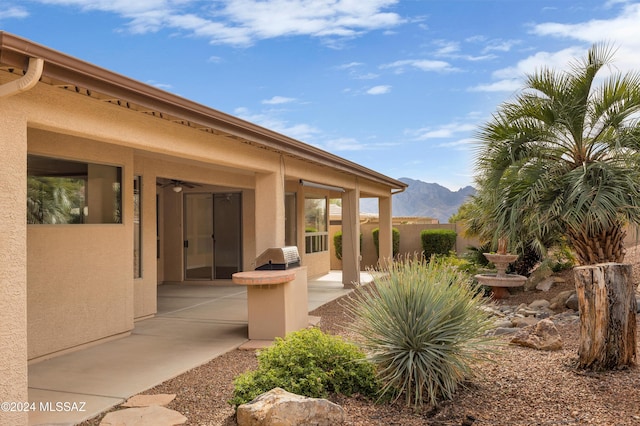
278, 258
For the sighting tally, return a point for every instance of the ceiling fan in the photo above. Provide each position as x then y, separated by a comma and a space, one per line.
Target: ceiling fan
177, 185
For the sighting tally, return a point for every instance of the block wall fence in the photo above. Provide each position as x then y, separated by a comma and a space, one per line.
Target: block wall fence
410, 240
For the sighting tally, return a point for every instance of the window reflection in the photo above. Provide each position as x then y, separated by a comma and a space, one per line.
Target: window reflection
72, 192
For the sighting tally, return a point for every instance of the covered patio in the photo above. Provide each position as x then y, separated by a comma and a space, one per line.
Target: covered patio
195, 323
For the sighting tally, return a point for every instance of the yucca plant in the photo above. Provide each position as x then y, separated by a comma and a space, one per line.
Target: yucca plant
423, 326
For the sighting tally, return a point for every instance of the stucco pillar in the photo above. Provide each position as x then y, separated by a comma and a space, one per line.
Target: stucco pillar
385, 236
13, 264
351, 237
269, 211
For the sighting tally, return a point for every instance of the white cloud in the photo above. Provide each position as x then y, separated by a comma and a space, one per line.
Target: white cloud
367, 76
509, 85
510, 79
379, 90
243, 22
459, 144
446, 48
623, 32
277, 100
344, 144
444, 131
421, 64
500, 45
353, 70
14, 12
349, 65
303, 132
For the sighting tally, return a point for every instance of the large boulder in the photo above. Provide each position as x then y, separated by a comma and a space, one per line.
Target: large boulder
542, 272
282, 408
542, 336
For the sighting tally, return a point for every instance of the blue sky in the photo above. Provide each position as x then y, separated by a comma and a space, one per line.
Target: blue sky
399, 86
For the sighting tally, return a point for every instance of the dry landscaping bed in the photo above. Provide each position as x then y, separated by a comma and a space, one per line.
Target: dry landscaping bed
521, 386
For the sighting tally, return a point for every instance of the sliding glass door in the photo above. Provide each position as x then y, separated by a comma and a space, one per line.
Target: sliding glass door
213, 235
198, 236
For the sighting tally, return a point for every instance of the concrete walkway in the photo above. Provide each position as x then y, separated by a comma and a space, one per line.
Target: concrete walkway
194, 324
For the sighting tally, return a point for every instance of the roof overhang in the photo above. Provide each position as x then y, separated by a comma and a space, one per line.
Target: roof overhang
71, 73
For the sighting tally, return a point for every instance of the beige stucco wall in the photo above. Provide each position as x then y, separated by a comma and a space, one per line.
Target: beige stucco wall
80, 277
13, 251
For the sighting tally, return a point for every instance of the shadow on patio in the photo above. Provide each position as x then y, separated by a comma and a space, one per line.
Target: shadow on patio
194, 324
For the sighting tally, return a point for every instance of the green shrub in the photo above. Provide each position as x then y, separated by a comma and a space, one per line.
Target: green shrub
562, 258
476, 256
437, 241
423, 326
337, 243
395, 236
311, 363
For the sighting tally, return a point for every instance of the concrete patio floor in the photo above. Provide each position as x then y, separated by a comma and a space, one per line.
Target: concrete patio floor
194, 324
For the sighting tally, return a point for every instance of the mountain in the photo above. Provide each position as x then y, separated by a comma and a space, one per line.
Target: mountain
424, 200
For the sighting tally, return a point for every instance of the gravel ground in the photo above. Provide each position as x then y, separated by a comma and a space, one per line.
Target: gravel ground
520, 387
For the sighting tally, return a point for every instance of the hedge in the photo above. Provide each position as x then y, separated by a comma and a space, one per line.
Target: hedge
437, 241
395, 237
337, 243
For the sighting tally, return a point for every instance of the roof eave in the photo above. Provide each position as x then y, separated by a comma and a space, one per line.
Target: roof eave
16, 51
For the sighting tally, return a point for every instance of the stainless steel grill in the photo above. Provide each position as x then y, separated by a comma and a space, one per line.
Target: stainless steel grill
278, 258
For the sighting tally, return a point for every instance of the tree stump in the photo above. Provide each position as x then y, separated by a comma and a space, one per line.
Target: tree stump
607, 305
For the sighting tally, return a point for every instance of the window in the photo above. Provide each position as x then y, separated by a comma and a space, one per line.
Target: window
316, 233
137, 228
72, 192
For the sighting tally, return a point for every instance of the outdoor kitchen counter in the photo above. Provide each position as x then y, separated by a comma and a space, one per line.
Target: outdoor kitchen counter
263, 277
277, 301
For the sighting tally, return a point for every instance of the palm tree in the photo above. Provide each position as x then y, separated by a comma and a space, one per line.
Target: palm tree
563, 158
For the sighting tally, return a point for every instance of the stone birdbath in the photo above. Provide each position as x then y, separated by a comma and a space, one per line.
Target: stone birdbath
500, 281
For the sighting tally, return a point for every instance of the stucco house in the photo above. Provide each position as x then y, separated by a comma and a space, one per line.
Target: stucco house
111, 187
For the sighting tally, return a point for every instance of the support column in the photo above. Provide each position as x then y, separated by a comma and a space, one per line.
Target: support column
269, 210
351, 237
13, 264
385, 235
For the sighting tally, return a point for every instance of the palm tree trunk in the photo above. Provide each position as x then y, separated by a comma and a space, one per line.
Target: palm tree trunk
603, 247
607, 304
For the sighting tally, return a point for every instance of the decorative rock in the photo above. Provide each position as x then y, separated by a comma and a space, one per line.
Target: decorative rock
282, 408
149, 400
560, 301
539, 304
503, 323
500, 331
528, 312
547, 283
154, 415
520, 322
542, 336
540, 274
572, 302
